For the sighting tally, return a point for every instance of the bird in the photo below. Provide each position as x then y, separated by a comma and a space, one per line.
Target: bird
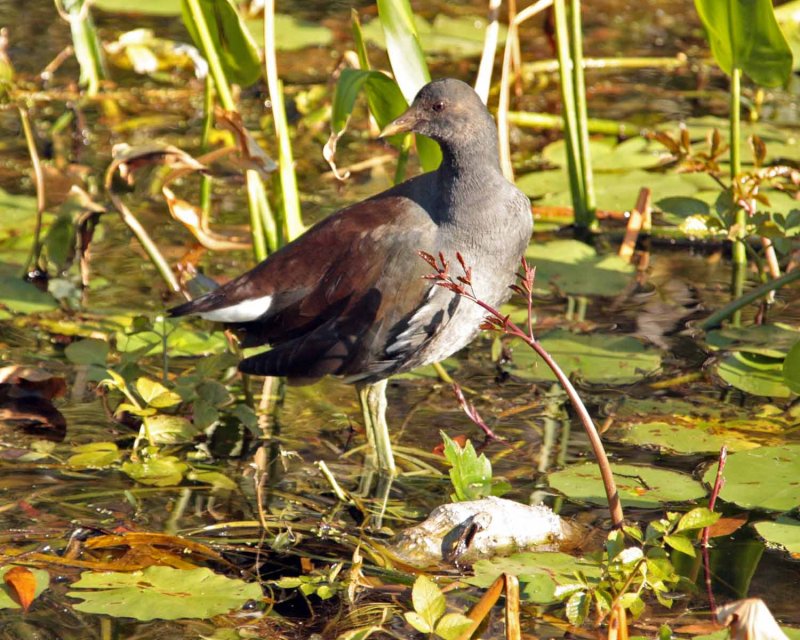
349, 297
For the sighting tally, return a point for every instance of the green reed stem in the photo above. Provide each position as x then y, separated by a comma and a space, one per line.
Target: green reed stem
205, 141
210, 54
739, 250
86, 44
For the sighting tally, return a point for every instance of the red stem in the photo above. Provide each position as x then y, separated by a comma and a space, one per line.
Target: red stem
719, 482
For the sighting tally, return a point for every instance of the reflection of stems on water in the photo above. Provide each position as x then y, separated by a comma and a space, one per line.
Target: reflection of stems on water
138, 230
38, 176
462, 285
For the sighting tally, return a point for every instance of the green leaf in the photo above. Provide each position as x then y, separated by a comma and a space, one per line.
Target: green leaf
163, 471
596, 358
291, 33
784, 532
20, 296
764, 478
428, 600
746, 35
215, 478
791, 368
680, 543
698, 518
452, 625
156, 394
7, 600
60, 241
162, 593
164, 429
639, 486
87, 352
577, 607
470, 474
95, 455
754, 374
771, 340
418, 622
233, 43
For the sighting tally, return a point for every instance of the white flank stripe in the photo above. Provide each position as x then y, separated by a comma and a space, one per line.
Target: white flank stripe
246, 311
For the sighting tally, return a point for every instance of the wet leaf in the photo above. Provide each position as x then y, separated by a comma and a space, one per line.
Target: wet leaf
763, 478
755, 374
32, 582
595, 358
574, 268
639, 486
784, 532
577, 607
89, 351
94, 455
698, 518
233, 42
699, 436
746, 35
163, 471
20, 296
161, 593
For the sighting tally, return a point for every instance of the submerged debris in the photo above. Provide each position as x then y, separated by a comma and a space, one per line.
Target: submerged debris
462, 533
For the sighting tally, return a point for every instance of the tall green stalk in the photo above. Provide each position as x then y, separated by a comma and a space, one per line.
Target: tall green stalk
86, 44
739, 253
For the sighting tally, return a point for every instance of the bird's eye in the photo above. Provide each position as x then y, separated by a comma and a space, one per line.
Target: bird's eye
438, 106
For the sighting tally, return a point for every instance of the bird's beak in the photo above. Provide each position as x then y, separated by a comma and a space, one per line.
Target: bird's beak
403, 124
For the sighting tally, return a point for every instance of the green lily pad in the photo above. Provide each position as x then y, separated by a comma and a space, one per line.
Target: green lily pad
162, 593
784, 532
765, 478
596, 358
639, 486
608, 156
574, 268
791, 368
681, 438
291, 33
20, 296
772, 340
89, 351
7, 601
539, 573
755, 374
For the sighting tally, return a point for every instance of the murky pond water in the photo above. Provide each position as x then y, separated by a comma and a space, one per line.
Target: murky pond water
48, 505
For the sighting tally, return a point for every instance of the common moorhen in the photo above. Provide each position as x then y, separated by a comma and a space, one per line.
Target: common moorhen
348, 297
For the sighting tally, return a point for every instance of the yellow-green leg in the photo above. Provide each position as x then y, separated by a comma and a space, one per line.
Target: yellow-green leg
379, 458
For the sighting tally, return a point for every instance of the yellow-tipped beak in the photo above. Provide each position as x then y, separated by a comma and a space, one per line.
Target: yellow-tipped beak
403, 124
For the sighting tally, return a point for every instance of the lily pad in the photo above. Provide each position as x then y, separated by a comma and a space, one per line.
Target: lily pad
596, 358
162, 593
784, 531
765, 478
772, 340
20, 296
574, 268
291, 33
755, 374
639, 486
682, 438
791, 368
7, 600
539, 573
608, 156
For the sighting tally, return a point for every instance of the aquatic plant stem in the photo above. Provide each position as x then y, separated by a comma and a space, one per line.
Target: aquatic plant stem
292, 220
210, 54
574, 165
462, 285
739, 253
484, 79
85, 43
205, 141
38, 176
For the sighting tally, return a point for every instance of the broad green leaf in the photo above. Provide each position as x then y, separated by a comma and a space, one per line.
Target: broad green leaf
163, 471
418, 622
140, 7
161, 593
232, 41
608, 156
639, 486
791, 368
596, 358
698, 518
772, 340
7, 600
20, 296
164, 429
428, 600
95, 455
744, 34
574, 268
680, 543
87, 352
764, 478
292, 33
470, 474
784, 531
60, 241
754, 374
577, 607
385, 99
452, 625
788, 17
156, 394
215, 478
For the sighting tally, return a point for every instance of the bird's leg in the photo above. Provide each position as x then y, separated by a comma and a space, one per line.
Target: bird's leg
380, 459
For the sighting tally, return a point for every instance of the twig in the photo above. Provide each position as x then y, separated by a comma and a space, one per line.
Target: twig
472, 414
38, 176
462, 285
719, 482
